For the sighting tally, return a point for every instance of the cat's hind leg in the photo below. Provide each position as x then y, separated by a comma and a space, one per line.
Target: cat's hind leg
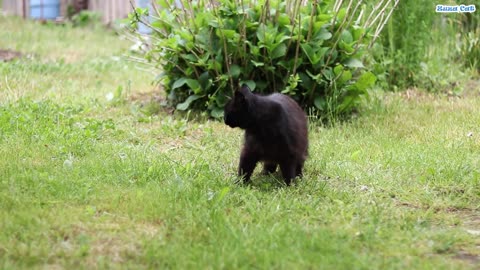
299, 169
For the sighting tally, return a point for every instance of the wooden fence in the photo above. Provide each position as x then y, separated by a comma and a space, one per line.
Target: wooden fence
110, 10
15, 7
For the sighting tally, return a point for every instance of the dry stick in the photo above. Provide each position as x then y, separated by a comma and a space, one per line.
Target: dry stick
350, 18
297, 49
155, 8
267, 17
244, 34
359, 18
137, 17
262, 21
314, 9
192, 14
288, 11
150, 26
339, 29
366, 26
292, 16
381, 12
186, 18
377, 32
373, 12
337, 6
211, 55
225, 51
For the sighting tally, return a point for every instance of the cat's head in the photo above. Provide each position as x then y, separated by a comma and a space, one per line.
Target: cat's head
238, 110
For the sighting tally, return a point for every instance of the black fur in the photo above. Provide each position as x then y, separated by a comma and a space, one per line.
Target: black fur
275, 132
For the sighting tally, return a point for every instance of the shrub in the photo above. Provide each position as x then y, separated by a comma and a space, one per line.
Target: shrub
468, 47
86, 18
310, 50
405, 40
418, 43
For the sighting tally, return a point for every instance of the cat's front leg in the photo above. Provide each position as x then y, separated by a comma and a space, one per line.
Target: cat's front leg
248, 161
288, 171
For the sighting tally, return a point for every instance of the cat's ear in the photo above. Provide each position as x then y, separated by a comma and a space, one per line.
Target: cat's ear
243, 93
245, 90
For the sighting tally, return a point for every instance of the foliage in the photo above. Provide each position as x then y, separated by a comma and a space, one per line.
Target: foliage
405, 41
468, 47
311, 51
418, 43
85, 18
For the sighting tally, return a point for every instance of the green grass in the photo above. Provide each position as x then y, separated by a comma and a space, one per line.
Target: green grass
90, 183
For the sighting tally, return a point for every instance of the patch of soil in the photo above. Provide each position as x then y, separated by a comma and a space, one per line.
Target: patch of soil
9, 55
471, 88
143, 97
468, 257
146, 99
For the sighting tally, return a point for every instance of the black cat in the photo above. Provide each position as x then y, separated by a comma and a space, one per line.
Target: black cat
275, 132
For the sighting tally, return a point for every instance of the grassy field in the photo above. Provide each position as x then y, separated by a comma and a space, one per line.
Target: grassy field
91, 178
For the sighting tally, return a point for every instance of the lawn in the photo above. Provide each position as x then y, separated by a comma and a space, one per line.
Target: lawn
95, 174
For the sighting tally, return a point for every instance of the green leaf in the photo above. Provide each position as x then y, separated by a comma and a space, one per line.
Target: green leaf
323, 34
279, 51
347, 103
214, 65
306, 80
194, 85
179, 83
251, 84
189, 57
324, 17
261, 33
283, 19
346, 47
328, 74
346, 37
353, 63
365, 81
184, 105
229, 34
221, 99
317, 78
308, 50
257, 64
357, 32
205, 80
338, 69
235, 71
320, 103
216, 112
341, 14
281, 37
345, 77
